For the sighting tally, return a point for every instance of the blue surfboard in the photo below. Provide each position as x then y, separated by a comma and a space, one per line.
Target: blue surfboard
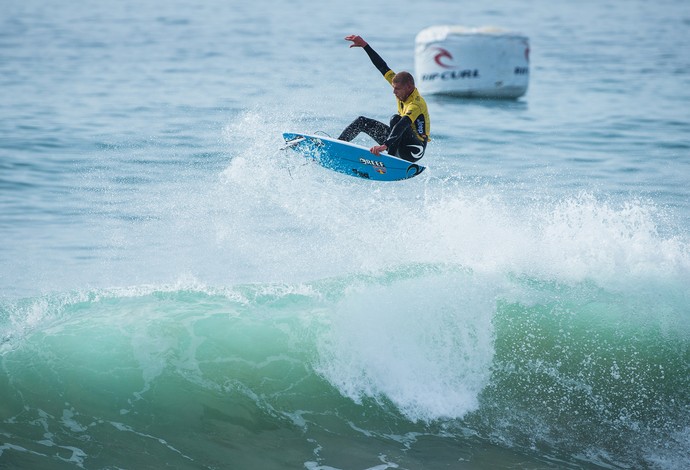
351, 159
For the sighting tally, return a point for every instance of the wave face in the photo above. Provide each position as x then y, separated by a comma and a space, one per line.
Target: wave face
397, 364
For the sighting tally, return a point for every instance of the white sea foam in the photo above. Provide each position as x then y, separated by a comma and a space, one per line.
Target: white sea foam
425, 344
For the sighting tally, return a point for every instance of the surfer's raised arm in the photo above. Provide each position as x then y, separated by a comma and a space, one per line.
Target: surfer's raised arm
379, 63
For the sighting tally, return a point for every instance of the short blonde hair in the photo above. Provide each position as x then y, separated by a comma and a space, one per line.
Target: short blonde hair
404, 78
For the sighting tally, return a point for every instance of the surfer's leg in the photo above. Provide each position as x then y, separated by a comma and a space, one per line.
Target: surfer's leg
409, 148
393, 147
375, 129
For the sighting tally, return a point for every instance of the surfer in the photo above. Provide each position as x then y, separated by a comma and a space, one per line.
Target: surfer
408, 132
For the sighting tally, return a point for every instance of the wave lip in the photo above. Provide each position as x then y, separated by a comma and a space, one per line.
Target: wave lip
424, 344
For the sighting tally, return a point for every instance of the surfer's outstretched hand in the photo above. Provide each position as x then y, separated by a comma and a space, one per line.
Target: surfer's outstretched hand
357, 41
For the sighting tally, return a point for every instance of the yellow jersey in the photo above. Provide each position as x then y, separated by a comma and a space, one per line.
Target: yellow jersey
414, 107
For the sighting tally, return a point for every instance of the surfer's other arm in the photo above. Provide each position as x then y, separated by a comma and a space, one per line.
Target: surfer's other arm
379, 63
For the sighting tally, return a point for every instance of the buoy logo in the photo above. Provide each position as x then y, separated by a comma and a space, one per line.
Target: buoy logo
441, 55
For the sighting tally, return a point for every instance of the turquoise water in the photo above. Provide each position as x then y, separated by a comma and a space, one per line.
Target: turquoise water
175, 291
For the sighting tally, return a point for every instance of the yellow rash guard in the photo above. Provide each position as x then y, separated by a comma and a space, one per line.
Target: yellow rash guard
414, 107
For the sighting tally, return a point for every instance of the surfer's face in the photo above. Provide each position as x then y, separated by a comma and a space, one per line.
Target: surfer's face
402, 90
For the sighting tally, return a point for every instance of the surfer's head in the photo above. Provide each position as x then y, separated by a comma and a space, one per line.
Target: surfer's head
403, 85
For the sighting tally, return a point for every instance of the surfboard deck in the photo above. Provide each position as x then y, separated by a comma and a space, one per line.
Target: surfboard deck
351, 159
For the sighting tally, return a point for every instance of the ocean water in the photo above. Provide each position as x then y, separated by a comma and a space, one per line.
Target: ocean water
176, 292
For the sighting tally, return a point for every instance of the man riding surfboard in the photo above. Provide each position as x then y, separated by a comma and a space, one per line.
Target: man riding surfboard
408, 133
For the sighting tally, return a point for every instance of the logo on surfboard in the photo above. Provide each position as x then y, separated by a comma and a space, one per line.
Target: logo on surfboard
380, 167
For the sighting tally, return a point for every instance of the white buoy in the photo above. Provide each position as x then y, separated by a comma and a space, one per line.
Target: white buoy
471, 62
